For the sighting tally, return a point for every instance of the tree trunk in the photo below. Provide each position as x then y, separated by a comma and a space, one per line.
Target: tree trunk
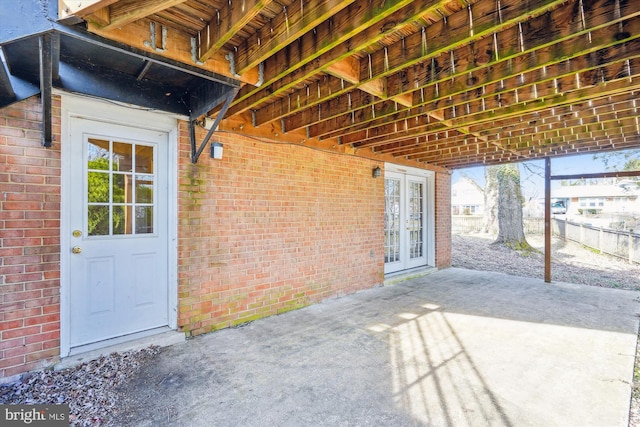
490, 223
510, 225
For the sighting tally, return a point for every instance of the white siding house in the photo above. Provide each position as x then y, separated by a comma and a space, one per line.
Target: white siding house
467, 197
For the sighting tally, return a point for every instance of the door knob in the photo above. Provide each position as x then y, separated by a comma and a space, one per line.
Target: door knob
76, 249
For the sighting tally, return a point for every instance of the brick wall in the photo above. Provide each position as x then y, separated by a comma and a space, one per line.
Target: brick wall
443, 219
29, 239
273, 227
270, 228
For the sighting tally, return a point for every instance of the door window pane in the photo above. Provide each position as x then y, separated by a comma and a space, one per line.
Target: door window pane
144, 189
144, 159
122, 159
415, 220
119, 188
115, 205
121, 220
144, 219
392, 220
98, 219
98, 187
98, 154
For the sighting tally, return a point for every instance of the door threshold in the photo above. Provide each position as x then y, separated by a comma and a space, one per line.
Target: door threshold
401, 276
161, 337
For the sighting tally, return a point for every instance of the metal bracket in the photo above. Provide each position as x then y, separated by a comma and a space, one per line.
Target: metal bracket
194, 52
195, 153
153, 44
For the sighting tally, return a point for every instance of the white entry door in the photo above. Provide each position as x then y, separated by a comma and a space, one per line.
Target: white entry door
405, 222
118, 225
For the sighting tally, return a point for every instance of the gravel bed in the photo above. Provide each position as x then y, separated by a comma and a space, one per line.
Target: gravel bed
570, 262
90, 389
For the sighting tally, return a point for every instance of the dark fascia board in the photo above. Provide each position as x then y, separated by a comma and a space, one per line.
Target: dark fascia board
17, 90
152, 57
40, 16
122, 88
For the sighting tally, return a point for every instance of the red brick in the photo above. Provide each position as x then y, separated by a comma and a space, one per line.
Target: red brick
38, 320
16, 342
43, 354
22, 313
11, 324
49, 327
7, 289
21, 332
13, 361
51, 344
22, 350
53, 335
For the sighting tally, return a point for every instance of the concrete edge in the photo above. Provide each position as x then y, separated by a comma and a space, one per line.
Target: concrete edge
163, 339
403, 276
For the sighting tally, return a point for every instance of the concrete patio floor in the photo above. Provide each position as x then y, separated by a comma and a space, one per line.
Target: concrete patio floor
455, 347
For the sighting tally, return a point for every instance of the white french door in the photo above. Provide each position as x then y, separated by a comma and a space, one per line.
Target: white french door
118, 216
406, 233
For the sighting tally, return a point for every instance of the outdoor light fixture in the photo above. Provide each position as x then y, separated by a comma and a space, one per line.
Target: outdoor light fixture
377, 172
216, 150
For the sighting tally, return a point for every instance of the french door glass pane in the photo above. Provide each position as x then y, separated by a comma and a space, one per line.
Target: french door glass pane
392, 220
415, 220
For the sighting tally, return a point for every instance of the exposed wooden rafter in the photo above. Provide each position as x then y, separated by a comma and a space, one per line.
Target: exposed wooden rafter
445, 82
226, 22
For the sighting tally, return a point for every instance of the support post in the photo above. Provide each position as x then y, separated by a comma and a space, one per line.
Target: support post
547, 219
46, 82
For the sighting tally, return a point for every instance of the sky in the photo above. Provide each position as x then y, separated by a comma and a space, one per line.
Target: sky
532, 173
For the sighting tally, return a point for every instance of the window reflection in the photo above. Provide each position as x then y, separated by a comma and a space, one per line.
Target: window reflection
144, 159
122, 159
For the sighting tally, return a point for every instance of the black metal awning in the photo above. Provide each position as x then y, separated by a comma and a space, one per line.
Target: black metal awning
40, 53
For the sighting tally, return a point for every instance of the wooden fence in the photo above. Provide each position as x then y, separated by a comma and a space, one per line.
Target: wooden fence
466, 224
621, 244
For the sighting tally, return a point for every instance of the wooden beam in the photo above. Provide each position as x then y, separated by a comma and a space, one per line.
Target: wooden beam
547, 125
461, 154
294, 22
69, 10
126, 11
547, 220
234, 16
468, 158
346, 69
490, 99
562, 56
565, 116
178, 48
344, 34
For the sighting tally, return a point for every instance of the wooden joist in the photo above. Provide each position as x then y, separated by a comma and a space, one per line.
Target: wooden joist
233, 17
568, 54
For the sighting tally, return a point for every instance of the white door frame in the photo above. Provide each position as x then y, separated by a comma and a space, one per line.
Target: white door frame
74, 106
429, 225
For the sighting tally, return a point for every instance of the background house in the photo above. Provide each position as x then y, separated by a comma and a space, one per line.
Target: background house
600, 198
467, 197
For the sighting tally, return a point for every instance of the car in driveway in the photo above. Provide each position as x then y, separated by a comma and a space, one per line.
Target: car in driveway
558, 208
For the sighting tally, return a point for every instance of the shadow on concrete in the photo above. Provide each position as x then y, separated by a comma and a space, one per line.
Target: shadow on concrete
456, 347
